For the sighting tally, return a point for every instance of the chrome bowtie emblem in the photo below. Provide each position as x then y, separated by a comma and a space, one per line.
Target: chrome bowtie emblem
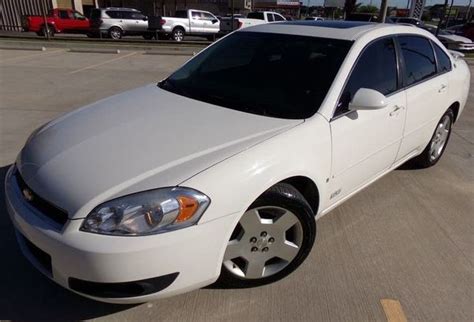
27, 194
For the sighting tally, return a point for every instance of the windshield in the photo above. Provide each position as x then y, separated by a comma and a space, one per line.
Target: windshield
277, 75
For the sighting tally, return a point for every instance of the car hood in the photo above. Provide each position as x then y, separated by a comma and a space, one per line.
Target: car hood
138, 140
456, 38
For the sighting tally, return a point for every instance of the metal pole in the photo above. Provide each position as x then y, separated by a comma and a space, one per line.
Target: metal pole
383, 11
45, 21
232, 17
468, 10
449, 15
444, 16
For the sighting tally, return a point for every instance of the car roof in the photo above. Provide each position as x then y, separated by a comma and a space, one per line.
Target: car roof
344, 30
119, 9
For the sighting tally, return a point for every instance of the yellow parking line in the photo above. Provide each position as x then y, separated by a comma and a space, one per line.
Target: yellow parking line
13, 59
103, 63
393, 310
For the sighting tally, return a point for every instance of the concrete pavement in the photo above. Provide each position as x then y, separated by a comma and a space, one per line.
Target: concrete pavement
408, 237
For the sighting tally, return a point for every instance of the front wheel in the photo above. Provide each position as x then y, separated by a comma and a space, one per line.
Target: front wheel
273, 237
437, 145
47, 31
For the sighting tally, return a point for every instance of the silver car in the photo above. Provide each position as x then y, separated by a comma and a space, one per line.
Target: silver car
118, 22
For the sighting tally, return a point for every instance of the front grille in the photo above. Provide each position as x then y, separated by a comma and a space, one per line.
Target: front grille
41, 257
47, 209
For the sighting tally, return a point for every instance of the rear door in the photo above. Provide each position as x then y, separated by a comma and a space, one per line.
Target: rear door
427, 91
366, 142
130, 23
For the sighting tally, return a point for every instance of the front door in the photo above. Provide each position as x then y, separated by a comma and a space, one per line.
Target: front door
210, 24
366, 142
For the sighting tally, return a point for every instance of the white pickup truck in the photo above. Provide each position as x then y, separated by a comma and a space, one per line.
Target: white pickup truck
190, 22
253, 18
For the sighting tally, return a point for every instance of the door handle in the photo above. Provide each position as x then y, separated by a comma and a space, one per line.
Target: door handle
442, 88
396, 110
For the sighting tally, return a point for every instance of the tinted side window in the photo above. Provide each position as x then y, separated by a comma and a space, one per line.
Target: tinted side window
444, 63
114, 14
279, 18
419, 58
129, 15
376, 69
63, 14
207, 16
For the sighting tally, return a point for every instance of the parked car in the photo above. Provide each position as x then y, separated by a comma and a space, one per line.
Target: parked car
191, 22
368, 17
451, 41
58, 21
314, 18
118, 22
465, 30
220, 171
408, 20
253, 18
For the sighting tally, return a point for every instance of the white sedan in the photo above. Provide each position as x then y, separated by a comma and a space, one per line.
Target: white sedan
219, 172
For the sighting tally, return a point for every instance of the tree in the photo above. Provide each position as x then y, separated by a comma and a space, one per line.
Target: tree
350, 6
367, 9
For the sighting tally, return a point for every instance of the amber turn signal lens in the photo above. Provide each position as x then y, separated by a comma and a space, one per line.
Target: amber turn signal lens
187, 208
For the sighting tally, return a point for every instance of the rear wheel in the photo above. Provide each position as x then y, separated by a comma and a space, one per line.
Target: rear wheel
273, 237
115, 33
177, 34
437, 145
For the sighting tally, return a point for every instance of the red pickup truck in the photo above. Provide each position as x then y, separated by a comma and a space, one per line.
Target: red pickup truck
58, 21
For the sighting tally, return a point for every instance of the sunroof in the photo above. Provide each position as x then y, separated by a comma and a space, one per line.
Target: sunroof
328, 24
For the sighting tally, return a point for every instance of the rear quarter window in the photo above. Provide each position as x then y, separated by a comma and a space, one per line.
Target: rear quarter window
444, 63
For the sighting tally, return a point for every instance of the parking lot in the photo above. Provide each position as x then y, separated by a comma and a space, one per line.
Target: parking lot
409, 237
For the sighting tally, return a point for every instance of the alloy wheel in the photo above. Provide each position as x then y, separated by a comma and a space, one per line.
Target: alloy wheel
265, 241
178, 35
440, 138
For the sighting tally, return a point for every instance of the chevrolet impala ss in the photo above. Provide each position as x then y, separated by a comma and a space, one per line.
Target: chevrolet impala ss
219, 172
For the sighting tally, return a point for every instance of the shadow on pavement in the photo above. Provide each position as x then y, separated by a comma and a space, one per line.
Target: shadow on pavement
25, 294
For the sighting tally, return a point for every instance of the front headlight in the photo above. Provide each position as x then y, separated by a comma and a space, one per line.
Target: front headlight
148, 212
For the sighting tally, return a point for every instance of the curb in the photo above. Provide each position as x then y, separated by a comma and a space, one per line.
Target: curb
169, 53
95, 51
35, 48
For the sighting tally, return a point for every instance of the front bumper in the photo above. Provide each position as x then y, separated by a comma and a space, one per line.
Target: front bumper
466, 47
179, 261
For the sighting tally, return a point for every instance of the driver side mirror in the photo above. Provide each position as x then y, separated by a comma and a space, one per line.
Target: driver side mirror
367, 99
215, 21
145, 18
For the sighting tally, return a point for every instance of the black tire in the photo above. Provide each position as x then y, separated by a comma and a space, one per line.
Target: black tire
284, 196
115, 33
44, 31
177, 34
426, 159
